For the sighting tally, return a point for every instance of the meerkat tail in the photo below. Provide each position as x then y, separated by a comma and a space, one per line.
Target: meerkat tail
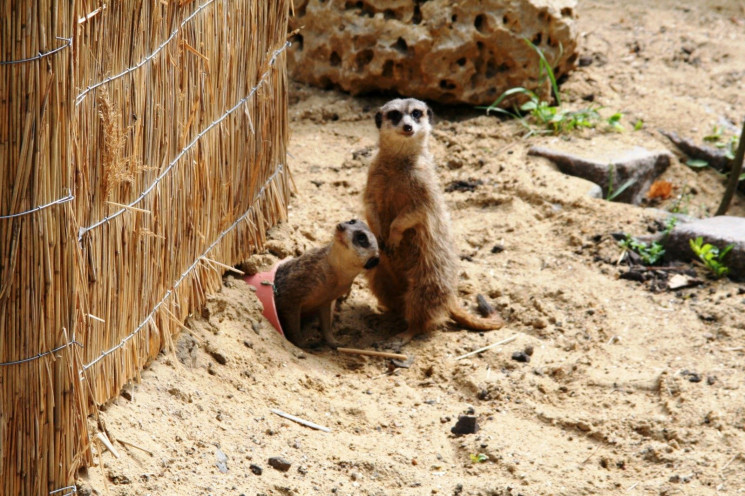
473, 322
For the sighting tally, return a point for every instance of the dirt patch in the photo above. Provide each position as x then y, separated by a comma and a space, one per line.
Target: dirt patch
628, 388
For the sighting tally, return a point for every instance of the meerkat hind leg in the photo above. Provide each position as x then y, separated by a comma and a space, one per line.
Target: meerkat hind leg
291, 326
325, 316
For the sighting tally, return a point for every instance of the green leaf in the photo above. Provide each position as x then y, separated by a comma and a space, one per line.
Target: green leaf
638, 125
697, 163
726, 250
621, 189
545, 66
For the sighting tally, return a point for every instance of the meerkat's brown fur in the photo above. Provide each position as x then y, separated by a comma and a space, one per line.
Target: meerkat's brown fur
308, 285
417, 274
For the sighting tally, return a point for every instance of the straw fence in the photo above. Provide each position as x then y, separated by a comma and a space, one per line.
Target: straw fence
142, 145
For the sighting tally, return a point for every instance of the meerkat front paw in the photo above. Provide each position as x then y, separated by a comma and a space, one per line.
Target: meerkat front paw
394, 239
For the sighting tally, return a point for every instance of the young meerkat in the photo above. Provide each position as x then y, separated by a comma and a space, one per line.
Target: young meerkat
309, 284
417, 274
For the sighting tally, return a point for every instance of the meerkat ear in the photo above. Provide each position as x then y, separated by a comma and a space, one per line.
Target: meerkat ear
431, 115
379, 119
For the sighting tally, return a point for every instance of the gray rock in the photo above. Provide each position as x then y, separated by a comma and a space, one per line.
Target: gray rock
451, 52
280, 463
222, 461
718, 231
466, 424
612, 168
595, 191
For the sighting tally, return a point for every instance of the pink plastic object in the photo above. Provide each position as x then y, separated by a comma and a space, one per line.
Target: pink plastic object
264, 284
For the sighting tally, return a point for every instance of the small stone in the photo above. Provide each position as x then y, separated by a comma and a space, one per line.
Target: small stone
466, 424
126, 394
280, 463
219, 357
463, 185
612, 168
692, 376
497, 249
257, 470
719, 231
484, 307
521, 356
222, 461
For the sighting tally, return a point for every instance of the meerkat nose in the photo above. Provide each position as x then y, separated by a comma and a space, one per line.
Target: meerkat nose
340, 227
408, 128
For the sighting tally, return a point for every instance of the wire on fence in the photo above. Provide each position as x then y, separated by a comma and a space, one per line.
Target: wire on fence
40, 55
82, 94
64, 199
41, 355
280, 168
183, 151
70, 490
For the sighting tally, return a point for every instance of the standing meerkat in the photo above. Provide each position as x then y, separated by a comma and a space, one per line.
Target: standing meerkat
417, 274
309, 284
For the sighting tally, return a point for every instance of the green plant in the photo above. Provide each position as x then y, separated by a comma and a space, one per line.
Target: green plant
549, 118
614, 193
614, 121
480, 458
681, 204
711, 256
638, 125
729, 145
650, 253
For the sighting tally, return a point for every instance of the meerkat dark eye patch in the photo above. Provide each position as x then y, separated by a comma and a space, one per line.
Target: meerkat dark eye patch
416, 114
372, 263
394, 116
360, 239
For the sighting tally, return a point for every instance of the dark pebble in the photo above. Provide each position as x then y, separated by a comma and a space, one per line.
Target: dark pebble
484, 307
521, 356
585, 60
256, 469
219, 357
280, 463
466, 424
463, 185
497, 249
692, 376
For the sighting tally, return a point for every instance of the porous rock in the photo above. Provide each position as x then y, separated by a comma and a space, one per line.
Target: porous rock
718, 231
611, 169
451, 52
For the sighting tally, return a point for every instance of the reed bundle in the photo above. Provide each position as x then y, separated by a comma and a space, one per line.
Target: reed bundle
154, 138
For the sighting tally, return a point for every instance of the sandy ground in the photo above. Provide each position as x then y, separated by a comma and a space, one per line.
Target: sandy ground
628, 391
